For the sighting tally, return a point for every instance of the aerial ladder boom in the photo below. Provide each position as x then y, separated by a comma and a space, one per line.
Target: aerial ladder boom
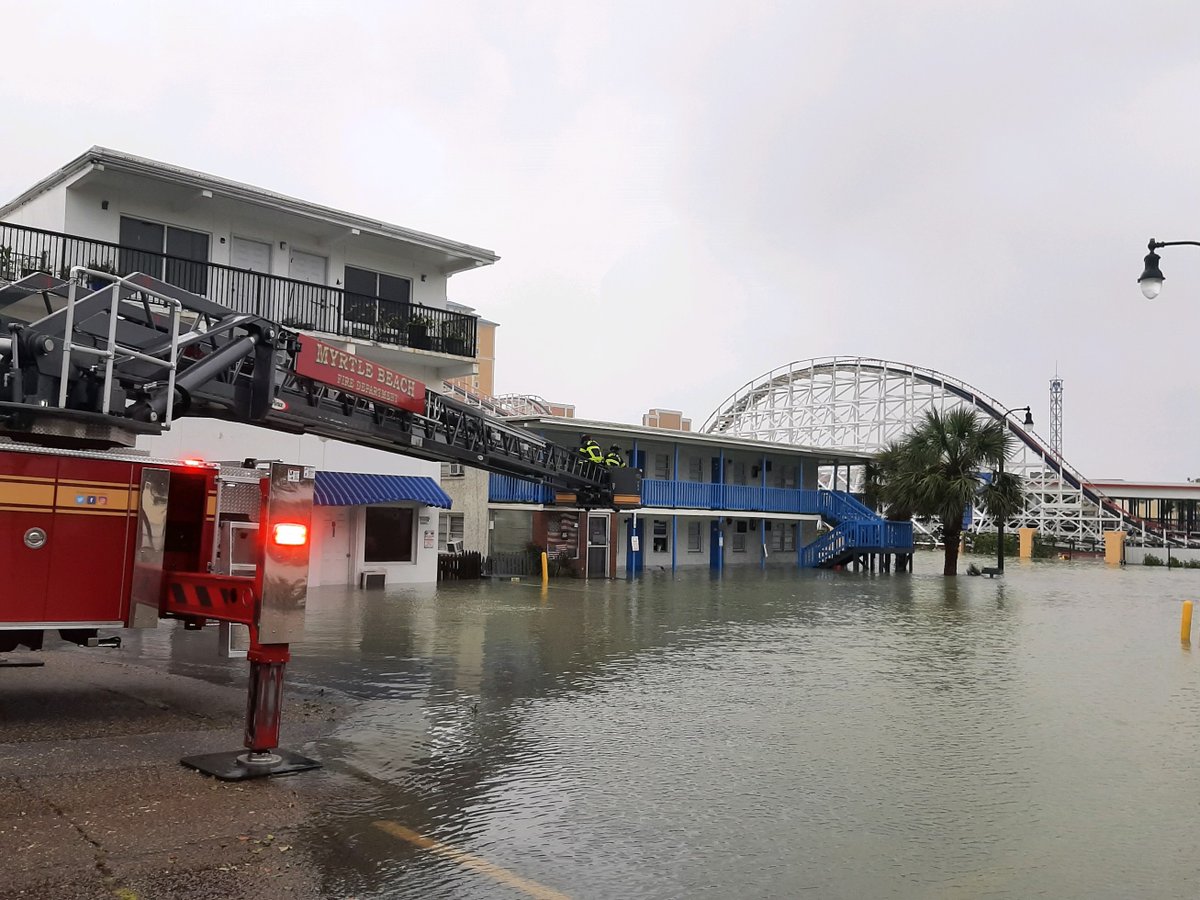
142, 352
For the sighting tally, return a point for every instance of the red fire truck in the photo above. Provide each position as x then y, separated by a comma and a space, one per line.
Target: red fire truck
101, 537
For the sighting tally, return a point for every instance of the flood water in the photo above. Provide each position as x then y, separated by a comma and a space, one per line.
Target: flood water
778, 734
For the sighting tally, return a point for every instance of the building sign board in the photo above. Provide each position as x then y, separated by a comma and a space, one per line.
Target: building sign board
362, 377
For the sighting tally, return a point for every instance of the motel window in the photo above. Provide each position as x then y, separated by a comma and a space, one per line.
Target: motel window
695, 468
788, 475
739, 472
661, 543
662, 465
788, 529
693, 537
143, 245
509, 530
450, 528
777, 529
739, 536
389, 536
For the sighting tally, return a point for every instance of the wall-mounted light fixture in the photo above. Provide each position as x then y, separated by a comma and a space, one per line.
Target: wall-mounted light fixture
283, 245
104, 204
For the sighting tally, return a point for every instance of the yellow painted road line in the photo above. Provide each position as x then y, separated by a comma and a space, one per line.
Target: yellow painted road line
471, 861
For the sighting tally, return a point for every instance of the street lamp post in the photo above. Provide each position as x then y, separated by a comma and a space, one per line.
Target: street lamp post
1000, 475
1152, 277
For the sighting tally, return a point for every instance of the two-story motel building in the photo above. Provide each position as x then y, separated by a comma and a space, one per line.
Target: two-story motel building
372, 288
710, 500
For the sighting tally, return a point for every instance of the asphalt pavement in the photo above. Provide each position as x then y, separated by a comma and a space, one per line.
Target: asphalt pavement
95, 804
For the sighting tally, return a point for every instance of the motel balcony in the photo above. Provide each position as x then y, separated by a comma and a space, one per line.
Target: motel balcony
300, 305
657, 493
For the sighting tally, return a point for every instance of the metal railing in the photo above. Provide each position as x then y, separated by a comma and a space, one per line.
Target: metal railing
838, 506
509, 489
295, 304
740, 497
833, 506
860, 536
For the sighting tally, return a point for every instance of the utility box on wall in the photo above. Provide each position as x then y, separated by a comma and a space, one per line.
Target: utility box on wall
371, 579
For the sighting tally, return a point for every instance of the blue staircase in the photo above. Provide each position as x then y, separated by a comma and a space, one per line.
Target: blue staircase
856, 530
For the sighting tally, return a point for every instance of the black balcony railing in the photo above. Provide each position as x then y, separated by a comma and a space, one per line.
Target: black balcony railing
296, 304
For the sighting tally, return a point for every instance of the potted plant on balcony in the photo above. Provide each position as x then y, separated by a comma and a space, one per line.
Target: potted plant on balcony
456, 336
390, 327
418, 331
94, 282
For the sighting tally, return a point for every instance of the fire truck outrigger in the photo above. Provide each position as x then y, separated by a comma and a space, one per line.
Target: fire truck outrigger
95, 535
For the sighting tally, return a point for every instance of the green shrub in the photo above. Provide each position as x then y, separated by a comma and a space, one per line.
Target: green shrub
1151, 560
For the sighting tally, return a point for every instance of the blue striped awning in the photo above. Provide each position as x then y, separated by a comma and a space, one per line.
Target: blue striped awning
357, 489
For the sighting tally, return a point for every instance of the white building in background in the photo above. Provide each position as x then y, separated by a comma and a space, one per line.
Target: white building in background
373, 289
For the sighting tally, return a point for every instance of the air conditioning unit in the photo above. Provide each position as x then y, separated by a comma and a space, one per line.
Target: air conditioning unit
454, 469
372, 578
454, 546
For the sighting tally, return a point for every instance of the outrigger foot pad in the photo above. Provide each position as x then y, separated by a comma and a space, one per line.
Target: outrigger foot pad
239, 765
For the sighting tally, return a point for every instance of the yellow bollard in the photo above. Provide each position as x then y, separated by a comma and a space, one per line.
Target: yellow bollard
1185, 625
545, 568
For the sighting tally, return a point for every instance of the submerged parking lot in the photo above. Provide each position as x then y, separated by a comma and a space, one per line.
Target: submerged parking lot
762, 734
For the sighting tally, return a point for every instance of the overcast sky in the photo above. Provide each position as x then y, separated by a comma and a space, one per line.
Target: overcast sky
686, 195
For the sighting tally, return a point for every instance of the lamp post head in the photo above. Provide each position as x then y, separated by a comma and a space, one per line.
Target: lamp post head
1028, 416
1152, 276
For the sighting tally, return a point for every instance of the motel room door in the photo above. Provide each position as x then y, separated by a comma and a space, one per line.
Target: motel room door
335, 545
597, 551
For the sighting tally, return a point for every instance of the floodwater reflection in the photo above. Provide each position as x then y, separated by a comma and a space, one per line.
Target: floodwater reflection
763, 734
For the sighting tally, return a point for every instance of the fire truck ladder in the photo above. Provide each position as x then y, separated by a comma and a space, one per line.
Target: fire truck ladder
102, 366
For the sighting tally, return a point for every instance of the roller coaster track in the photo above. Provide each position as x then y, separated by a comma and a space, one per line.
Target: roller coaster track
862, 404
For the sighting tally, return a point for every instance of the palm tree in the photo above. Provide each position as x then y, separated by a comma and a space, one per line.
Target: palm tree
934, 471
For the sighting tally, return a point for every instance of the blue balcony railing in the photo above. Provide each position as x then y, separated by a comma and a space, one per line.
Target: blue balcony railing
507, 489
669, 494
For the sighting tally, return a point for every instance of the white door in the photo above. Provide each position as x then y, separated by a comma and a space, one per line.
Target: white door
307, 267
310, 307
247, 254
250, 293
333, 539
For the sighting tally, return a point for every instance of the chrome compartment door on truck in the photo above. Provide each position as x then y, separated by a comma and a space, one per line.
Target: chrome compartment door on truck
146, 586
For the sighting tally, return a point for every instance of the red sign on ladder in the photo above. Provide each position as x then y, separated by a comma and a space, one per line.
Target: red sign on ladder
362, 377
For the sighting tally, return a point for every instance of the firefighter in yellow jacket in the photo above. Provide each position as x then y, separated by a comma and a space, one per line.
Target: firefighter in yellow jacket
590, 450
